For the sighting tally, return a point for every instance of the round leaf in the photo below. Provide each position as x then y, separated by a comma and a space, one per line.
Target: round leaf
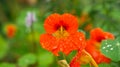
104, 65
111, 48
27, 60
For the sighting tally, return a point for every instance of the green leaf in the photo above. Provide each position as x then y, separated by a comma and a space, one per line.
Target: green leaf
115, 64
45, 59
21, 47
70, 56
26, 60
3, 47
7, 65
104, 65
86, 65
111, 48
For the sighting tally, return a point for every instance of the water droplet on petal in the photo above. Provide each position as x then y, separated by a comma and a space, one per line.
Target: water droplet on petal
80, 38
54, 47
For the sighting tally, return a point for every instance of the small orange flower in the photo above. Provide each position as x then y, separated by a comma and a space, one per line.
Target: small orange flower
10, 29
61, 34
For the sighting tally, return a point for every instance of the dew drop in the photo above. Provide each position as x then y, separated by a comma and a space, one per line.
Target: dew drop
54, 47
111, 48
118, 44
103, 47
80, 39
106, 50
108, 46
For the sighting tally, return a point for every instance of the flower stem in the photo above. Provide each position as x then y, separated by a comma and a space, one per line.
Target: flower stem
62, 60
33, 39
34, 45
63, 63
92, 60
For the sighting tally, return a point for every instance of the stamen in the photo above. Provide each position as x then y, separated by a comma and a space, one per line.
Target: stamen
61, 29
61, 32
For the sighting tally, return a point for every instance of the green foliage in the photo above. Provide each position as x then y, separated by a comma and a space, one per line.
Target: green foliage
111, 48
86, 65
45, 59
104, 65
3, 47
102, 13
71, 56
115, 13
26, 60
7, 64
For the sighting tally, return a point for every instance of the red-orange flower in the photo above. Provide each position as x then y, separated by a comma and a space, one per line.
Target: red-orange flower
93, 44
61, 34
10, 30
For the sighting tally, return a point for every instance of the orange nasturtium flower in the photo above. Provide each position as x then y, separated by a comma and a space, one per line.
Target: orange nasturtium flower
92, 54
10, 30
94, 43
61, 34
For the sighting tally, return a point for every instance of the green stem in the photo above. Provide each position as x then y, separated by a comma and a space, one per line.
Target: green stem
33, 39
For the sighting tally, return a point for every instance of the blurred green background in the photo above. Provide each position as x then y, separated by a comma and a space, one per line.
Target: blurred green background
24, 50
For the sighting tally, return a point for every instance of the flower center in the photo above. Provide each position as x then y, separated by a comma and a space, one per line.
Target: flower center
61, 32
